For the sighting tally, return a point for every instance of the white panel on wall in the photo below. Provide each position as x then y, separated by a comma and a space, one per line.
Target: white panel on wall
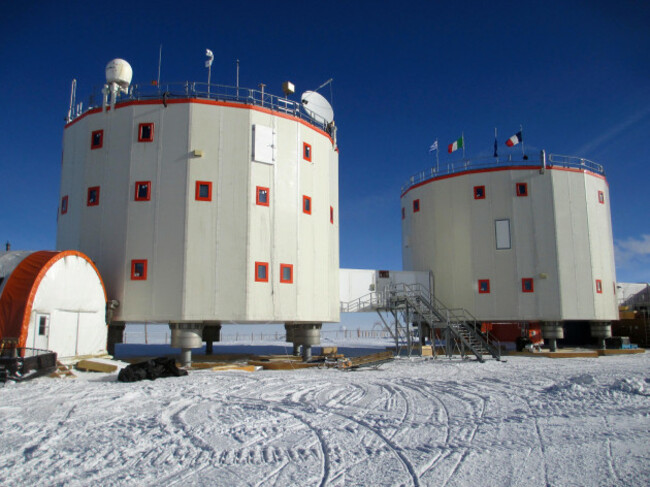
502, 229
262, 144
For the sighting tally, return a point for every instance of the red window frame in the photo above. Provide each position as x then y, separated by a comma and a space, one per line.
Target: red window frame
527, 281
403, 213
100, 142
601, 197
138, 185
484, 286
141, 137
306, 151
599, 286
64, 205
416, 206
284, 267
306, 204
197, 191
258, 192
522, 189
479, 192
261, 265
90, 190
332, 215
143, 275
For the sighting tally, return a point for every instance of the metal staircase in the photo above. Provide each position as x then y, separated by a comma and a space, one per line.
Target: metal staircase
413, 304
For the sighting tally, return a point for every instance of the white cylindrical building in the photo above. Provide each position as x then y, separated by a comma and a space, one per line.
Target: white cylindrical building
205, 206
515, 241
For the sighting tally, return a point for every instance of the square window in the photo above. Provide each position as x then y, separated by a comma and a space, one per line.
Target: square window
142, 190
484, 286
527, 285
522, 189
203, 191
599, 286
145, 132
97, 139
306, 204
262, 196
261, 271
306, 151
403, 213
479, 192
601, 197
286, 273
138, 270
416, 206
331, 215
93, 196
64, 205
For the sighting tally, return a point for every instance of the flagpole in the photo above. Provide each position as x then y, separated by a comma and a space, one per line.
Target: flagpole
496, 154
437, 158
462, 137
521, 130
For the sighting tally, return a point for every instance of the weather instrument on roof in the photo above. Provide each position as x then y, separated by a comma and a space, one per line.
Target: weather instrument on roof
317, 106
118, 79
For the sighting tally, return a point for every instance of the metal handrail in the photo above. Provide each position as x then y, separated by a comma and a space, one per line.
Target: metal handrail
185, 89
467, 165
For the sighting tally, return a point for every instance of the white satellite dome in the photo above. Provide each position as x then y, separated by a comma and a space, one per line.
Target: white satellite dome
120, 72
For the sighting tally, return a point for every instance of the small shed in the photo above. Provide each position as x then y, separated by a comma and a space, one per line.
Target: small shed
52, 300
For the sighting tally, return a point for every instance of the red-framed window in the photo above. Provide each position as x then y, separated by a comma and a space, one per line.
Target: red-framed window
306, 151
416, 206
261, 196
203, 191
261, 272
527, 285
599, 286
332, 215
403, 213
64, 205
145, 132
97, 139
286, 273
306, 204
93, 196
479, 192
484, 286
601, 197
522, 189
142, 191
139, 270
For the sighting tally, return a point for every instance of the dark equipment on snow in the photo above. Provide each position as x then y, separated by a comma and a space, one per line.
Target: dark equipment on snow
22, 363
151, 369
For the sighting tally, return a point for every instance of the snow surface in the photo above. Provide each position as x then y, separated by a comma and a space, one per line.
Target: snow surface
527, 421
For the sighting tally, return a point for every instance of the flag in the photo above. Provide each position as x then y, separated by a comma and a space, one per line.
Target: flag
514, 140
434, 146
454, 146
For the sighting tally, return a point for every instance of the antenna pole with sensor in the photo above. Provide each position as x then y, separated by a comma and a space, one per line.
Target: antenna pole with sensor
208, 64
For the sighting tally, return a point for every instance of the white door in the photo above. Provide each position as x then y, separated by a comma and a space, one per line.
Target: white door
41, 331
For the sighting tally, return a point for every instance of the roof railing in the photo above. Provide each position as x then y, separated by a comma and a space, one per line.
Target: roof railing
233, 94
468, 165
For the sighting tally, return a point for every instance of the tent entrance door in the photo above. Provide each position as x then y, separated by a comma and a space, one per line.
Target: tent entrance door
42, 331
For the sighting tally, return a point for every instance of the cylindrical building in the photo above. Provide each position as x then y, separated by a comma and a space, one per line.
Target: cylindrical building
514, 241
205, 205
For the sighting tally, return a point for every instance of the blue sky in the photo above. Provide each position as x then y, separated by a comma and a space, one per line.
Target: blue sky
574, 73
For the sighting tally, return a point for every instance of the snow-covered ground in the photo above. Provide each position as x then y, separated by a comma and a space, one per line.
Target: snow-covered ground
527, 421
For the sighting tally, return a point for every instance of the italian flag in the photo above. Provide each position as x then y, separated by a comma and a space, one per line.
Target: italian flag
454, 146
514, 140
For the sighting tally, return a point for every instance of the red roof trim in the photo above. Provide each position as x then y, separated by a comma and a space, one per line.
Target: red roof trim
19, 292
504, 168
205, 102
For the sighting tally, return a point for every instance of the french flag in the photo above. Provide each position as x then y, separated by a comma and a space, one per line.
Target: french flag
514, 140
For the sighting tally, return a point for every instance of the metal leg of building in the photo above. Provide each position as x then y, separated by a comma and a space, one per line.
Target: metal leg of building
211, 333
303, 335
601, 331
186, 336
115, 336
552, 331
